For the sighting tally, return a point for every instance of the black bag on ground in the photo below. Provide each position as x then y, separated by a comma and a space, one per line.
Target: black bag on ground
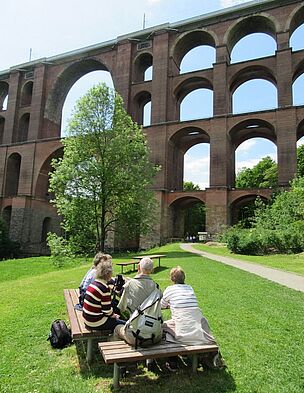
60, 335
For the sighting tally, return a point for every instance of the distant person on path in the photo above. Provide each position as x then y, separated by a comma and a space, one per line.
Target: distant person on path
97, 307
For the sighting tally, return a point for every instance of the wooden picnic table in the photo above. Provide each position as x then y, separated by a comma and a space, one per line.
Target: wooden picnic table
155, 256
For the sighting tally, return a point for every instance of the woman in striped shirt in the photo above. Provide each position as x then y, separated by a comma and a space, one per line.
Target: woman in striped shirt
97, 307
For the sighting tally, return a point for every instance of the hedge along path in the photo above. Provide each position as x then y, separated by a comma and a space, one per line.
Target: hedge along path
290, 280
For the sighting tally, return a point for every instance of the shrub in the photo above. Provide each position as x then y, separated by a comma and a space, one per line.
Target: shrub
60, 249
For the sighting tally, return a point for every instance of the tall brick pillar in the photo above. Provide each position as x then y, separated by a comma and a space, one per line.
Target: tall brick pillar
286, 145
122, 73
221, 96
11, 112
220, 154
37, 104
216, 210
160, 77
284, 70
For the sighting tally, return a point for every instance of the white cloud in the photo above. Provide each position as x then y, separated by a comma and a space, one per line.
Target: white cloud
246, 146
197, 171
154, 1
230, 3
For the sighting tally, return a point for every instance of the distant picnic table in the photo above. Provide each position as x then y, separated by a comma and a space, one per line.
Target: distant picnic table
155, 256
137, 259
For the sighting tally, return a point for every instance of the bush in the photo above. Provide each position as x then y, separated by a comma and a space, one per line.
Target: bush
60, 249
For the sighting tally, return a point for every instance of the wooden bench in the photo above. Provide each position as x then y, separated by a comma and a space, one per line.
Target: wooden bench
154, 256
78, 329
116, 352
123, 264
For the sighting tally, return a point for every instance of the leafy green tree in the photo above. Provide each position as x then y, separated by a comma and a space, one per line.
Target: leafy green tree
194, 215
277, 227
263, 175
104, 176
300, 160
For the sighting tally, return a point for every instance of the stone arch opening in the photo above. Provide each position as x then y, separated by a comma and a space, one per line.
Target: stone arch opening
12, 175
252, 24
2, 124
187, 217
46, 228
26, 94
246, 131
42, 184
296, 28
143, 108
199, 58
254, 94
300, 130
7, 215
253, 46
295, 20
3, 95
22, 133
143, 67
78, 90
242, 209
61, 88
179, 144
298, 86
197, 165
194, 99
188, 41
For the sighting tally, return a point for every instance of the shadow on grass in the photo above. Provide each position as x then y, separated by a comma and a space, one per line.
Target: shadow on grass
139, 380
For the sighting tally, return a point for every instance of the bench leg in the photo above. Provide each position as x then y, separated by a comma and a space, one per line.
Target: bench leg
194, 362
89, 350
116, 373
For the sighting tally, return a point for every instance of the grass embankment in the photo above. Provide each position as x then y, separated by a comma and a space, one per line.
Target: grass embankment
289, 262
258, 325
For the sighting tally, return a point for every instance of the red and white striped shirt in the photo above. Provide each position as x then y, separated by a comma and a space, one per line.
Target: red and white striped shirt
97, 307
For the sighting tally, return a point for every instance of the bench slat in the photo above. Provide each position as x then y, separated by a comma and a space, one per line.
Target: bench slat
74, 321
78, 328
120, 352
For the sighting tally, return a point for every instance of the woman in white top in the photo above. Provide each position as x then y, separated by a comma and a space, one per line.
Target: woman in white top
188, 325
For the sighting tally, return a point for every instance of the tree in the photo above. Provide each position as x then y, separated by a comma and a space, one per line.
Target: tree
102, 182
263, 175
194, 215
300, 160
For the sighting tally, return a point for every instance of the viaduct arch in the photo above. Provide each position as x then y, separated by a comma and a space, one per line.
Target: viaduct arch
35, 92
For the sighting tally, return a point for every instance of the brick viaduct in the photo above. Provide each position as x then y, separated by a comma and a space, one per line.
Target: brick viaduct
30, 125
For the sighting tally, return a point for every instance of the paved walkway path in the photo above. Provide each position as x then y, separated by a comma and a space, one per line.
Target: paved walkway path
290, 280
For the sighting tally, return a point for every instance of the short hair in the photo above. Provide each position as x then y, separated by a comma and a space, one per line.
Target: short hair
99, 257
104, 268
146, 265
177, 275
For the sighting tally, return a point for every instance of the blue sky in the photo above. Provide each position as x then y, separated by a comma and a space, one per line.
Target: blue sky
43, 28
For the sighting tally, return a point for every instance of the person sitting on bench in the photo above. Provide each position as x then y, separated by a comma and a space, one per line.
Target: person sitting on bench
188, 325
88, 279
97, 307
136, 290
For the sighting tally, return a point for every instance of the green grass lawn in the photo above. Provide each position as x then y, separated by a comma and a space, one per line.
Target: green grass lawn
290, 262
258, 325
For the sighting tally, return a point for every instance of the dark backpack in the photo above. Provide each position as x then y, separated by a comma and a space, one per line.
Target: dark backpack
60, 335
